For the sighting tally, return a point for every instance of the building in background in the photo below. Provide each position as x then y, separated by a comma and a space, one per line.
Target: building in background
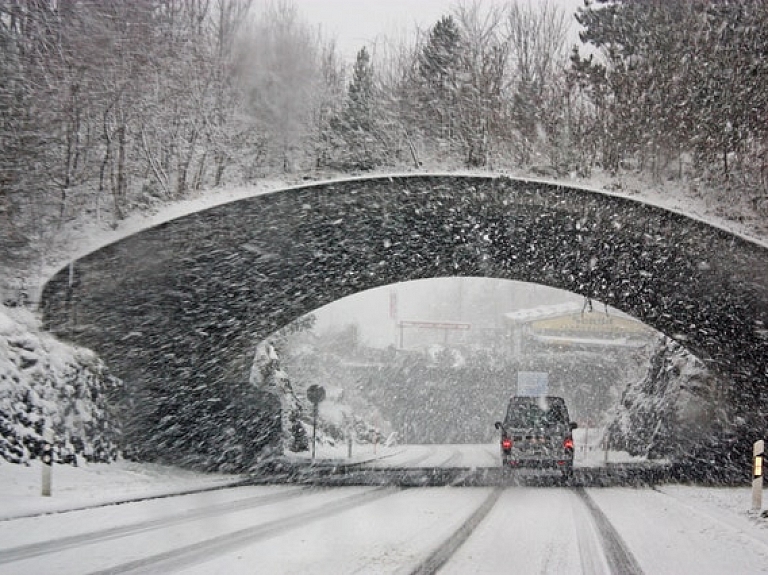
573, 326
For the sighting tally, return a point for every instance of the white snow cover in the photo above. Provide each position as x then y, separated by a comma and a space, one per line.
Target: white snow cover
93, 484
47, 384
673, 529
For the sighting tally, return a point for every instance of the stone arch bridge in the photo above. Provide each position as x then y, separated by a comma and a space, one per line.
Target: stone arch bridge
186, 300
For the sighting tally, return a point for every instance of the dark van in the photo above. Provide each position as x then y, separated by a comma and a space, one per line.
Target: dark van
536, 434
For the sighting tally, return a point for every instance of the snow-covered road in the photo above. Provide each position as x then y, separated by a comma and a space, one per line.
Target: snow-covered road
293, 529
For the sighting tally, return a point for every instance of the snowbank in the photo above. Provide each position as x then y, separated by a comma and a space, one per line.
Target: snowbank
48, 385
95, 484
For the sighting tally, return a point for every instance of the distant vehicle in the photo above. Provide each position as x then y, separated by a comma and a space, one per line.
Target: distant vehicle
537, 434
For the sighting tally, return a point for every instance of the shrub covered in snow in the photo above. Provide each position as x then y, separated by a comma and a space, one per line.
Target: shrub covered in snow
46, 384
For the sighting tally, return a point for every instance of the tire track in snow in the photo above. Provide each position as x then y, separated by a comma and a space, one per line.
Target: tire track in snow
618, 556
445, 550
197, 552
55, 545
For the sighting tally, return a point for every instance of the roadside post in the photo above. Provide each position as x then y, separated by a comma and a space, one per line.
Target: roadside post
757, 475
315, 394
47, 458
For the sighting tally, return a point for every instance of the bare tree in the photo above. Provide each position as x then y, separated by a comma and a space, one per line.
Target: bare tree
482, 81
536, 35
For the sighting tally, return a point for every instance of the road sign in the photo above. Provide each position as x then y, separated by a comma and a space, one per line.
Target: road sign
315, 394
445, 326
458, 325
532, 383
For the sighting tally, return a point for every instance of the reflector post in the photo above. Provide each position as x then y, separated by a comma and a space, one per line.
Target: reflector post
757, 475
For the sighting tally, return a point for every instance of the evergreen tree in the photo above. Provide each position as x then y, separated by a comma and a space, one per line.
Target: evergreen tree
441, 57
358, 112
359, 143
439, 67
678, 77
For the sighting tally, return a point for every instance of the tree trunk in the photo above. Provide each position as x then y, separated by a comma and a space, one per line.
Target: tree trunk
120, 190
197, 183
155, 166
102, 171
181, 183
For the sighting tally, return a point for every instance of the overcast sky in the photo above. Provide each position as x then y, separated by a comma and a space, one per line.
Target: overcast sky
355, 23
477, 301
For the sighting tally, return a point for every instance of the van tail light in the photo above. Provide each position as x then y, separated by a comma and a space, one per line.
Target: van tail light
506, 443
568, 443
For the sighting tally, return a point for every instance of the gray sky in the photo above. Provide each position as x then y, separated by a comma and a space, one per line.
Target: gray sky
355, 23
478, 301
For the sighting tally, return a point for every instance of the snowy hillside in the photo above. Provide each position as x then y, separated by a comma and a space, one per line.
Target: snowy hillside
46, 384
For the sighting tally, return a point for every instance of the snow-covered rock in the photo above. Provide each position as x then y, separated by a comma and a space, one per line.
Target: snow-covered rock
48, 385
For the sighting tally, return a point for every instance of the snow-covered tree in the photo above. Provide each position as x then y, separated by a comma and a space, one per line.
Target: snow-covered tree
267, 376
281, 69
679, 79
536, 36
357, 142
482, 84
440, 67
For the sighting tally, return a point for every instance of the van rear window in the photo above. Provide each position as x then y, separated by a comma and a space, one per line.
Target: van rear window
535, 412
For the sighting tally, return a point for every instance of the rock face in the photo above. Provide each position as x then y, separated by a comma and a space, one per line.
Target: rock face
45, 384
670, 410
179, 306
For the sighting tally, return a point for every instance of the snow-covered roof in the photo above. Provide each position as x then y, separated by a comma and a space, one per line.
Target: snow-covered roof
592, 342
544, 311
560, 309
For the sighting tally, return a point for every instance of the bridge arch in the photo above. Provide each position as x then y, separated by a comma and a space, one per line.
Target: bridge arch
188, 298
